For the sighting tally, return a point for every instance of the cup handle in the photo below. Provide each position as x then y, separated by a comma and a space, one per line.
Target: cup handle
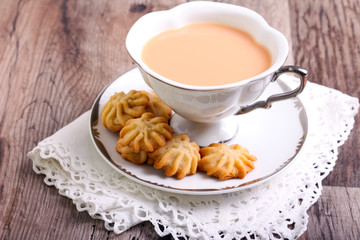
301, 72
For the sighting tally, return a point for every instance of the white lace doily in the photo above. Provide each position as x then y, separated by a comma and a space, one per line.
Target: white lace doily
276, 209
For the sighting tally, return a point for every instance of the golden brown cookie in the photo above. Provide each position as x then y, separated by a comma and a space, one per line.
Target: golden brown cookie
122, 107
146, 133
127, 154
225, 162
178, 157
157, 107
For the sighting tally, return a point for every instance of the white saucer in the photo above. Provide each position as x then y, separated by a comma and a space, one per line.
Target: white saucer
275, 136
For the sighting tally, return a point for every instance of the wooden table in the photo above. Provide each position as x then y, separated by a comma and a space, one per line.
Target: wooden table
56, 56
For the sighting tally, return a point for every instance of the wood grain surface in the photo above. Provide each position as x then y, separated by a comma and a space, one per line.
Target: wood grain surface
56, 56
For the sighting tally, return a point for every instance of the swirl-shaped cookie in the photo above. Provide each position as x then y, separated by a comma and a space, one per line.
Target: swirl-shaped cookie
178, 157
158, 107
146, 133
126, 153
122, 107
225, 162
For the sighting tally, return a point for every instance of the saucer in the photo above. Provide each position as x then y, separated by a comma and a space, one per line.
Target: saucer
275, 136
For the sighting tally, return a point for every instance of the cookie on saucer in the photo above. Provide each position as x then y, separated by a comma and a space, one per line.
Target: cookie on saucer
226, 161
158, 107
178, 157
146, 133
121, 107
126, 153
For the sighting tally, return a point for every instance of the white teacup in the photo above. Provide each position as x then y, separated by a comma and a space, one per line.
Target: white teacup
212, 104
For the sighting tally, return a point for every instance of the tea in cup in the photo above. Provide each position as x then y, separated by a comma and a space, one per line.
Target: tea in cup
209, 61
185, 55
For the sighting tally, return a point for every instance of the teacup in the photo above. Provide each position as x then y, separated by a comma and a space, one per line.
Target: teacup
207, 106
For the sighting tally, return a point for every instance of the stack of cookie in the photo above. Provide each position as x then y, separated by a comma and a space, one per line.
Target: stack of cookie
145, 136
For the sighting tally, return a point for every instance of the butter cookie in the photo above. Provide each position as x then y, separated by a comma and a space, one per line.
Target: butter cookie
225, 162
146, 133
126, 153
178, 157
122, 107
158, 107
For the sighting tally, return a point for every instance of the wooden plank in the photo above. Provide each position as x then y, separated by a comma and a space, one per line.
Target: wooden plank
336, 215
325, 37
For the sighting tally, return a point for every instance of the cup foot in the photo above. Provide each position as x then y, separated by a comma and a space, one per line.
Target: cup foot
205, 133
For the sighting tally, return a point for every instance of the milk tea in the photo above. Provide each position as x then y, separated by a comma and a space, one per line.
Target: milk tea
206, 54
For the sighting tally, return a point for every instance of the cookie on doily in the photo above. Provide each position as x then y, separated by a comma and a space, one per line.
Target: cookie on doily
146, 133
122, 107
178, 157
226, 161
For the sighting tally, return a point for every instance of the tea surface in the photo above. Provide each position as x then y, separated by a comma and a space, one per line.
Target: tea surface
206, 54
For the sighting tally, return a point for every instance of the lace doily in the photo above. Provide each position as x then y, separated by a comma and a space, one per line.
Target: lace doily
276, 209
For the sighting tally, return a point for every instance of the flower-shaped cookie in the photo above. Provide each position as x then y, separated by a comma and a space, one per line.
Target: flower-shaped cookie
146, 133
178, 157
157, 107
225, 162
122, 107
126, 153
